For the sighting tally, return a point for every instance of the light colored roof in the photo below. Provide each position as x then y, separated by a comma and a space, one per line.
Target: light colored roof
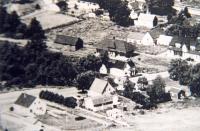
98, 85
165, 38
102, 100
146, 17
136, 35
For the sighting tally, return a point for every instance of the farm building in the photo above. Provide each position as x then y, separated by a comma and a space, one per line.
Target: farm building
70, 42
140, 38
119, 68
100, 87
146, 20
100, 102
116, 48
27, 104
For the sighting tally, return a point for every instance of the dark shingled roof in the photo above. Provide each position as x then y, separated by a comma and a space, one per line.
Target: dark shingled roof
120, 64
66, 40
25, 100
116, 45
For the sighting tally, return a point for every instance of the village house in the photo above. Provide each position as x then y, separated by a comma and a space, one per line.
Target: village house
164, 40
70, 43
116, 48
119, 68
100, 96
146, 20
27, 105
100, 87
140, 38
184, 48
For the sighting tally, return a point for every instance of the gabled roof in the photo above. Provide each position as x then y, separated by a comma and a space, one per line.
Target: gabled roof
156, 32
146, 17
25, 100
175, 39
99, 86
66, 40
116, 45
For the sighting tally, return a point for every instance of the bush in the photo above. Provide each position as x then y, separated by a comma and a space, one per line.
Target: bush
11, 108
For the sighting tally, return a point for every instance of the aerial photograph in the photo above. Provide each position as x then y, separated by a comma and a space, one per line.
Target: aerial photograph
99, 65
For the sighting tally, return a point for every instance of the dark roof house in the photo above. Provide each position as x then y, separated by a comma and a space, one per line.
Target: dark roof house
25, 100
118, 46
69, 40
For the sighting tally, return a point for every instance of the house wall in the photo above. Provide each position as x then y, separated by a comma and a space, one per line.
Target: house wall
90, 105
38, 107
148, 24
22, 110
103, 69
148, 40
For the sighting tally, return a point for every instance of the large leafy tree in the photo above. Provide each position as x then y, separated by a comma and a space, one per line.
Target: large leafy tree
35, 31
118, 10
85, 80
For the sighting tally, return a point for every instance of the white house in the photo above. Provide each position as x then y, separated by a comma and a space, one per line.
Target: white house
164, 40
146, 20
100, 102
100, 87
119, 68
141, 38
135, 37
178, 48
28, 105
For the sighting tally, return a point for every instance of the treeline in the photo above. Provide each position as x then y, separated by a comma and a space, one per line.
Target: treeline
35, 65
70, 102
11, 26
161, 7
186, 74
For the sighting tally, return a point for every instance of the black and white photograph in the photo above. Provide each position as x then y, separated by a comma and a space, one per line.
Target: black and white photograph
99, 65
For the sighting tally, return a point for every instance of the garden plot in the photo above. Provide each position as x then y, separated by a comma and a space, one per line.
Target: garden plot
50, 19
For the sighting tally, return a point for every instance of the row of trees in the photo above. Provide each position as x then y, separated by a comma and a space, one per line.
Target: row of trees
186, 74
66, 101
11, 26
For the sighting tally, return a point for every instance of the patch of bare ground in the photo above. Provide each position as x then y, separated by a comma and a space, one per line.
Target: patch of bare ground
151, 63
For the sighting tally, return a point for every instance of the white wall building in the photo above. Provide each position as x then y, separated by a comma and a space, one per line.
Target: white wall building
146, 20
29, 105
164, 40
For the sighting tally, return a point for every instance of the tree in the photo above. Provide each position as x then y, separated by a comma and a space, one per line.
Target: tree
35, 31
62, 5
118, 11
85, 80
161, 7
156, 90
3, 15
143, 82
176, 67
12, 21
